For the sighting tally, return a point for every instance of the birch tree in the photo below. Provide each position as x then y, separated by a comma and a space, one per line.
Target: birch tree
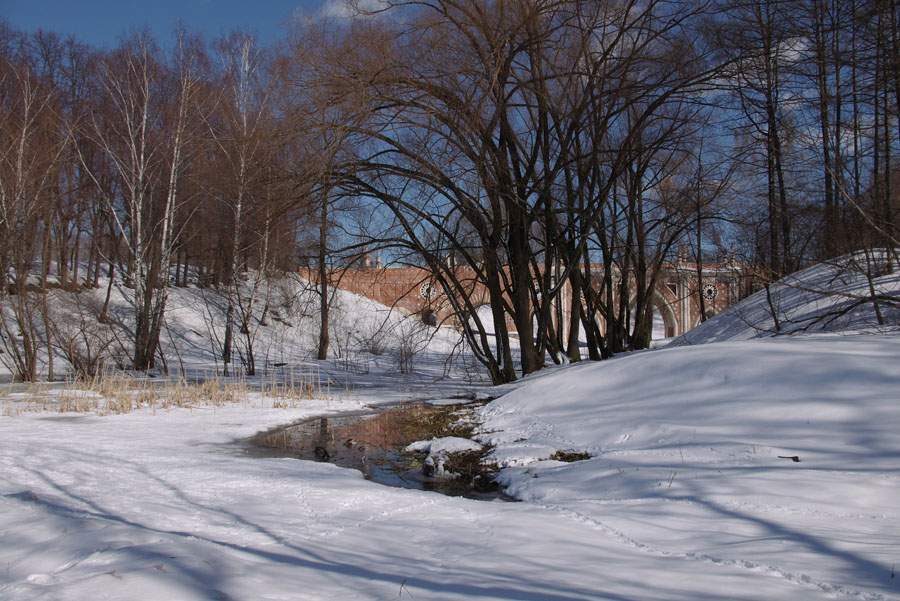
143, 133
239, 132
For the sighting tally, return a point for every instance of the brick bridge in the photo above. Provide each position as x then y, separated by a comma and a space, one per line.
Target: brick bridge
676, 301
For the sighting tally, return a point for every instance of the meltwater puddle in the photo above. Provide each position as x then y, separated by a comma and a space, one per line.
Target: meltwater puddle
374, 443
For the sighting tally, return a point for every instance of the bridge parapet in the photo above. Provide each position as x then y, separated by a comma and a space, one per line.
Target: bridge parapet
412, 290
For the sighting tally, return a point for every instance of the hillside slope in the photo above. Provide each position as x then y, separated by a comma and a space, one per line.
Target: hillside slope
826, 297
284, 329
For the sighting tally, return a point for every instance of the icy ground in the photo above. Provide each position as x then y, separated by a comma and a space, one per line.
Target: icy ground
691, 491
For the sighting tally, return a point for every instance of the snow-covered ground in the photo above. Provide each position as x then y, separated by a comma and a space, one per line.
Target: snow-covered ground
692, 471
691, 491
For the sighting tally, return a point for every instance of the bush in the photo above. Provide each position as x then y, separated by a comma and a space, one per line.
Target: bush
411, 337
77, 330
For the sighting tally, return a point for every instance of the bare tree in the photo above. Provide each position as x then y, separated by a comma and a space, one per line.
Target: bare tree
488, 137
240, 133
756, 37
32, 144
143, 135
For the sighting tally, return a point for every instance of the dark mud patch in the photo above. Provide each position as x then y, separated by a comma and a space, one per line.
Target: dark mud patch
570, 456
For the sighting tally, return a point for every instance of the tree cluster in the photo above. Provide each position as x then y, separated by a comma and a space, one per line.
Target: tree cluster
158, 167
548, 145
556, 153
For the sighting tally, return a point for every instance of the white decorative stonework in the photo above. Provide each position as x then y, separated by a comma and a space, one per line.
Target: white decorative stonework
709, 292
428, 291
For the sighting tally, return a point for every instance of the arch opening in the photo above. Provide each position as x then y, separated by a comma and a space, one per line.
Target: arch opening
486, 317
663, 319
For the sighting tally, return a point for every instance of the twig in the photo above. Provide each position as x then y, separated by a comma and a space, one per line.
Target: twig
793, 458
402, 586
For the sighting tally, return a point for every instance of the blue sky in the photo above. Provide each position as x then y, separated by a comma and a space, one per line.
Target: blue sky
101, 22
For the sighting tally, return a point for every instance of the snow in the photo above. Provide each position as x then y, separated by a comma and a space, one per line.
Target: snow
690, 492
809, 301
445, 444
366, 336
686, 448
439, 451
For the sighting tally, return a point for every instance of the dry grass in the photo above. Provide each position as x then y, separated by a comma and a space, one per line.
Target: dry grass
296, 387
116, 394
119, 394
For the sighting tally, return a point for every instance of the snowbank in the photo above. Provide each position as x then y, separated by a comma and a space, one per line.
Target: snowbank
692, 456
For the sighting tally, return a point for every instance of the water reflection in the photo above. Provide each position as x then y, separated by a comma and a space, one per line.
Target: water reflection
372, 443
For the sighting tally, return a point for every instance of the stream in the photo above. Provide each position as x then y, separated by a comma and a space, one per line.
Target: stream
374, 442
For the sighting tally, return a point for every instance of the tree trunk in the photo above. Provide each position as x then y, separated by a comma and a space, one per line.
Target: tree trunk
322, 353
